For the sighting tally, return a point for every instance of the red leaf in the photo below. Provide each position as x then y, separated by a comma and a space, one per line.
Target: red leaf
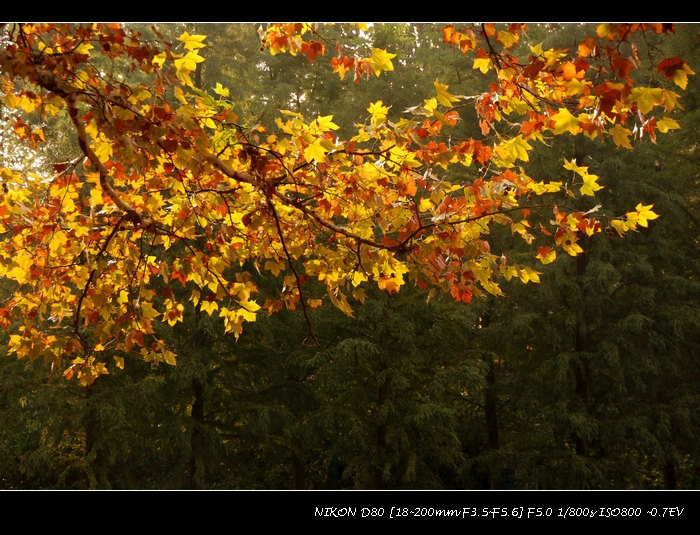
312, 49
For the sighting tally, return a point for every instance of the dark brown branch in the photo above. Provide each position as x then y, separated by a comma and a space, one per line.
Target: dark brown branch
132, 213
494, 55
290, 261
76, 320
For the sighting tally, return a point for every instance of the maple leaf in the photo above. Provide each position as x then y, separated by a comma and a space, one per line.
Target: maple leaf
620, 226
443, 96
590, 182
509, 39
341, 302
312, 49
221, 90
325, 123
567, 239
192, 42
209, 306
666, 124
513, 149
527, 274
546, 255
621, 136
564, 121
644, 214
381, 61
610, 31
186, 65
343, 64
483, 64
315, 151
648, 97
675, 69
590, 185
378, 111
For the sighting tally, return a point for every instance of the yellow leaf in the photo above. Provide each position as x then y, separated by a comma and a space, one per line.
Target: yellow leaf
358, 278
483, 64
192, 42
648, 97
58, 240
326, 123
221, 90
148, 311
542, 187
102, 150
590, 185
537, 50
608, 30
509, 271
209, 306
159, 60
564, 121
96, 198
18, 274
445, 98
644, 213
567, 241
359, 294
529, 275
188, 62
425, 205
174, 314
378, 111
430, 106
513, 149
381, 61
508, 39
341, 302
680, 77
170, 357
274, 267
315, 303
292, 114
572, 166
315, 151
620, 226
84, 48
666, 124
621, 136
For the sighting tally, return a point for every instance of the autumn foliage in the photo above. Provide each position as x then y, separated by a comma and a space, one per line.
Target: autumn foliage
170, 196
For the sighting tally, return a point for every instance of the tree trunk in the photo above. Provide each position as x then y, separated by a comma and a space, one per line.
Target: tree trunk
298, 472
491, 408
582, 371
670, 475
197, 474
380, 442
90, 439
491, 417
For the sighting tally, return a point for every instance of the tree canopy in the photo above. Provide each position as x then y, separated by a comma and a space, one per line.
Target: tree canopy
154, 193
295, 214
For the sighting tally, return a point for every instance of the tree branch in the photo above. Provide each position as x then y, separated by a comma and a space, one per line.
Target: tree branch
132, 213
290, 260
